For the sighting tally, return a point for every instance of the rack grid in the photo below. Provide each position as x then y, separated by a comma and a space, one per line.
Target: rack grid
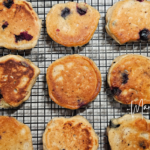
38, 110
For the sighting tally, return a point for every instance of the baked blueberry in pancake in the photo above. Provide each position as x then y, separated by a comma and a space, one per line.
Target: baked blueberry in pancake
130, 132
19, 25
129, 79
127, 21
74, 133
72, 24
73, 81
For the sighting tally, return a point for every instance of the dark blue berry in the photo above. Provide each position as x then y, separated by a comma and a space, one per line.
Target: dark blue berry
142, 144
80, 103
1, 96
125, 78
140, 0
115, 91
144, 34
81, 11
65, 12
112, 125
8, 3
5, 25
23, 36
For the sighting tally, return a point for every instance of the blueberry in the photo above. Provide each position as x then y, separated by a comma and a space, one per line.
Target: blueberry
142, 144
144, 34
140, 0
81, 11
125, 78
115, 91
8, 3
65, 12
80, 103
23, 36
5, 25
1, 96
112, 125
23, 63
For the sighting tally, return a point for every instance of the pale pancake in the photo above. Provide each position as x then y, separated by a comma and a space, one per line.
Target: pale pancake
129, 79
14, 135
17, 76
73, 81
19, 25
130, 132
72, 24
127, 21
75, 133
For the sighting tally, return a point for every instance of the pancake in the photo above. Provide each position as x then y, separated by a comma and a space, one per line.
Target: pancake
75, 133
72, 24
129, 79
73, 81
130, 132
14, 135
17, 76
19, 25
127, 21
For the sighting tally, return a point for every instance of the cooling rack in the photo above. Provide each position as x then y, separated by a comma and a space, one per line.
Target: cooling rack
38, 110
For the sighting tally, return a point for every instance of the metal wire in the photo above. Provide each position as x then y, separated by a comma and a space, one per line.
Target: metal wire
38, 110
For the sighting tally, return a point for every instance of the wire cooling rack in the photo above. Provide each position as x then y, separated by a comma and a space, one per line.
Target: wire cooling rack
38, 110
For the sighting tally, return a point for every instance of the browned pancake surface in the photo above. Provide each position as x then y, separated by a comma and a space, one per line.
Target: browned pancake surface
19, 25
73, 81
74, 133
129, 79
71, 28
132, 133
16, 77
126, 18
14, 135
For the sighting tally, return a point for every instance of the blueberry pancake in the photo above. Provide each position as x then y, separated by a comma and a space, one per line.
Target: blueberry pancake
14, 135
74, 133
73, 81
128, 21
19, 25
130, 132
72, 24
17, 76
129, 79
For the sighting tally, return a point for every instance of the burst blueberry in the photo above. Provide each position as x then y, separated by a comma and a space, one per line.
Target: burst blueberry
140, 0
81, 11
5, 25
115, 91
23, 36
142, 144
8, 3
112, 125
65, 12
125, 78
144, 34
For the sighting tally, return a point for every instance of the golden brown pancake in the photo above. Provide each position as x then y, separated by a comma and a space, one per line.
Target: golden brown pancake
128, 21
129, 79
130, 132
17, 76
73, 81
14, 135
75, 133
19, 25
72, 24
